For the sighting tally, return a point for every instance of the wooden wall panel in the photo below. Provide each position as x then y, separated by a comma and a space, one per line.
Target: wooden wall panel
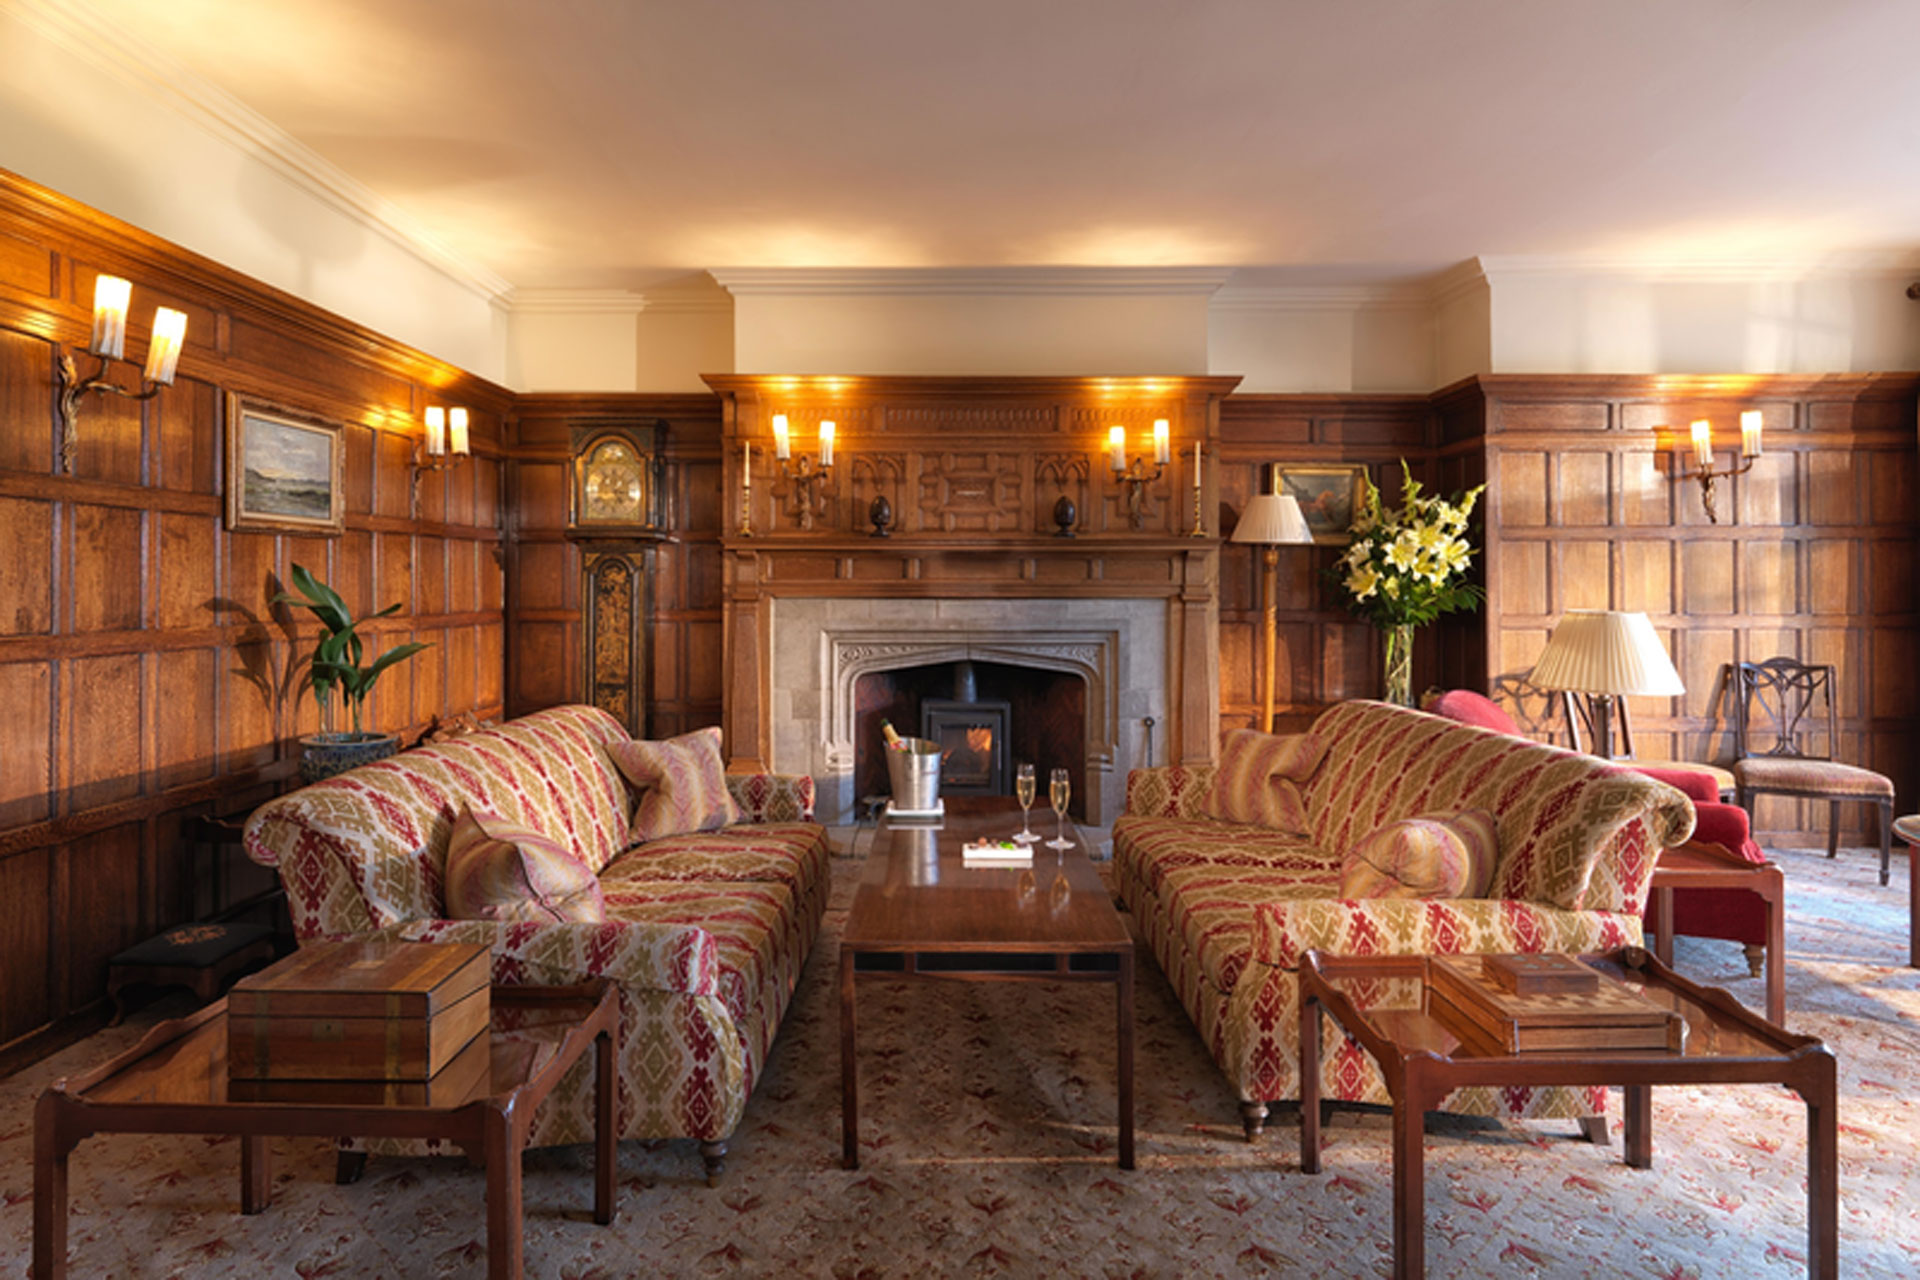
1815, 555
144, 673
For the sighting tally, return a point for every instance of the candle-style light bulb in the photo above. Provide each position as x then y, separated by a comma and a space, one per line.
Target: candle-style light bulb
169, 335
1703, 443
1750, 433
780, 450
436, 430
1162, 441
111, 294
826, 442
1117, 448
457, 430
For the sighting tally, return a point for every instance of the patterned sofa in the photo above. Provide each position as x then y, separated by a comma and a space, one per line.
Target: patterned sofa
1229, 910
705, 934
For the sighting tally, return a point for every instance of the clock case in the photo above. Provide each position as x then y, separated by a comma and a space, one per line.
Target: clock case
616, 563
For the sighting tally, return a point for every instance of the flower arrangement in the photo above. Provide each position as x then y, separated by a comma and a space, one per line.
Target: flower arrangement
1406, 567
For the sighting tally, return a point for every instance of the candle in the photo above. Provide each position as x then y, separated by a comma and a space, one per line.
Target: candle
826, 442
1703, 444
169, 332
110, 297
1196, 464
1750, 433
457, 430
1117, 448
436, 430
746, 465
780, 436
1161, 441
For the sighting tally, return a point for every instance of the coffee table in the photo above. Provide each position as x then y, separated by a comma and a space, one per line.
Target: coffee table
921, 912
175, 1081
1381, 1002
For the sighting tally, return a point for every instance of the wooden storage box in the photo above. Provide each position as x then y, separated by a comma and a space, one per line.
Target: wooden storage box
1490, 1019
387, 1011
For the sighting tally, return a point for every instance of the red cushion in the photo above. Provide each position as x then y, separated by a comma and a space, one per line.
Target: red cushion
1469, 707
1699, 787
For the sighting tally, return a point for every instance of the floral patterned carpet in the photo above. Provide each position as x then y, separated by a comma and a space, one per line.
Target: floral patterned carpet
989, 1150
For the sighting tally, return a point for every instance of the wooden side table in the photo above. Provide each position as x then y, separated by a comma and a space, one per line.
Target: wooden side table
1704, 866
175, 1081
1381, 1001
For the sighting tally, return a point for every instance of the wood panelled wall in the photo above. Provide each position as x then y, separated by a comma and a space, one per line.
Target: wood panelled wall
1323, 654
1814, 556
547, 650
144, 676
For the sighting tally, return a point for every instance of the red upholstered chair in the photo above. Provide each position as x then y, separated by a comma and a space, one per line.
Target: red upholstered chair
1698, 913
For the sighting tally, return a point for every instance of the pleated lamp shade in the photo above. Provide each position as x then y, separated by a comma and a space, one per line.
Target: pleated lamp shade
1600, 651
1272, 519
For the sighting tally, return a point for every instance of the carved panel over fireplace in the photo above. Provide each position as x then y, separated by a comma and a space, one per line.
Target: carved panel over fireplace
973, 565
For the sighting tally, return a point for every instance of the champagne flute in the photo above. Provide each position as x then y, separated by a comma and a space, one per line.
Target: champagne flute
1023, 791
1059, 790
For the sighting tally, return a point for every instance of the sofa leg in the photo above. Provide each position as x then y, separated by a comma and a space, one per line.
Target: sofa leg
1756, 959
348, 1167
1253, 1118
1594, 1130
715, 1155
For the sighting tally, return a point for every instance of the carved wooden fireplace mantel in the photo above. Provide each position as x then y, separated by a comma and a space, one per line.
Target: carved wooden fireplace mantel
972, 472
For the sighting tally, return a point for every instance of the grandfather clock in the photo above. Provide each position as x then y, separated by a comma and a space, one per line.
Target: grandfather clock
618, 514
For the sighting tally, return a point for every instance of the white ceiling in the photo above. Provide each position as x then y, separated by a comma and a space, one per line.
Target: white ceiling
616, 143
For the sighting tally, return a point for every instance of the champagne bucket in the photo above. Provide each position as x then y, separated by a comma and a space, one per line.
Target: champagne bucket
913, 770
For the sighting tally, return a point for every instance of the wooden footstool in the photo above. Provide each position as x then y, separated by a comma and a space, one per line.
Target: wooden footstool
202, 957
1908, 829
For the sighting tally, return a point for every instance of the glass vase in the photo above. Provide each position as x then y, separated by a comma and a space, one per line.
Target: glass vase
1397, 646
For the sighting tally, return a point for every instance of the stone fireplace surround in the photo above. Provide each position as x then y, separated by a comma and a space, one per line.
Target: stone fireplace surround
1118, 647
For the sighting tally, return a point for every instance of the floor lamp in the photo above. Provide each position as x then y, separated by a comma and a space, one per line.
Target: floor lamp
1271, 521
1604, 657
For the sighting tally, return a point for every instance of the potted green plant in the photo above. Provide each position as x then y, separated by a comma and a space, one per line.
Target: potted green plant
338, 664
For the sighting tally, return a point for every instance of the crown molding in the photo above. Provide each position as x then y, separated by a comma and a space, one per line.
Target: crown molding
598, 302
952, 281
1650, 269
1380, 297
76, 27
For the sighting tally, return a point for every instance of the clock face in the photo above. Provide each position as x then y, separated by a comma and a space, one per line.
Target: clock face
614, 486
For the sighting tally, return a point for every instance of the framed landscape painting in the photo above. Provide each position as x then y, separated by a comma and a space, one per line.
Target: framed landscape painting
283, 470
1327, 497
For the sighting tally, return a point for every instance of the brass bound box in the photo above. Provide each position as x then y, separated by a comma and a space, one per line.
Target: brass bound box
359, 1011
1462, 994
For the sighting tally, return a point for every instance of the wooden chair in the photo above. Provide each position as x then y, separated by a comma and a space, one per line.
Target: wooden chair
1791, 703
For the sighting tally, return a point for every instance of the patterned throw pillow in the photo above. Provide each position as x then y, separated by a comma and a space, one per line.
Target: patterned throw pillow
1254, 783
1441, 855
682, 784
500, 870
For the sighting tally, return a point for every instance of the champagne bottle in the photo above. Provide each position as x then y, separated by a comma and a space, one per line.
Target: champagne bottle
893, 739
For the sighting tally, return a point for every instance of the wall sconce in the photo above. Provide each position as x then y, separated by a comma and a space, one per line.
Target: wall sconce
809, 484
444, 445
1135, 476
1702, 433
111, 294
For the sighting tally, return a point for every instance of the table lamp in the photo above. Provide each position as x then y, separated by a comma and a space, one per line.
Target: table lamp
1605, 656
1271, 521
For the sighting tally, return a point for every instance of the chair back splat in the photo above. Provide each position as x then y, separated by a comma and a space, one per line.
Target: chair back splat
1794, 706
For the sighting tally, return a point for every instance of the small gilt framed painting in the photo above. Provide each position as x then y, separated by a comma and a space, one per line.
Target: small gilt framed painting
283, 470
1328, 497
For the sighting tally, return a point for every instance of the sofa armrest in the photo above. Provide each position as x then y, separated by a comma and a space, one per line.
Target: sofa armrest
1169, 790
1726, 825
638, 955
1285, 931
772, 797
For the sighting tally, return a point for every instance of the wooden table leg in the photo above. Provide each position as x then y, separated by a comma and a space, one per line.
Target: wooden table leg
849, 1078
1309, 1084
604, 1136
1639, 1117
50, 1150
1663, 925
256, 1173
1823, 1174
1913, 905
1409, 1183
1123, 988
505, 1244
1774, 900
